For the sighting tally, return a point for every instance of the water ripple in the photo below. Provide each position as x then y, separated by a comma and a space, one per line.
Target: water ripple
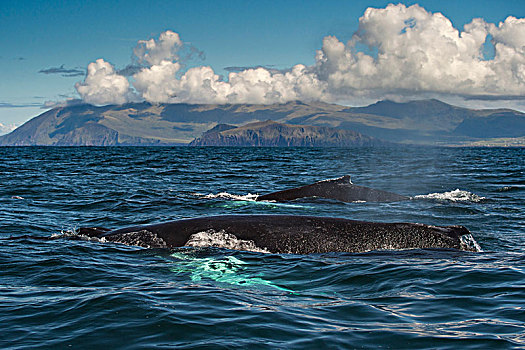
66, 293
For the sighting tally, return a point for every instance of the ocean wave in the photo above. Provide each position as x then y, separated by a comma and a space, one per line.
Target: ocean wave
455, 196
251, 198
509, 188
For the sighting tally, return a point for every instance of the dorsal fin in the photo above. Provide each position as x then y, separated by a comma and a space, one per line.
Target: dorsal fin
341, 189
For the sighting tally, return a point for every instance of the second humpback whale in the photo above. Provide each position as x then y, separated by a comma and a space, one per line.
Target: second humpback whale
287, 234
341, 189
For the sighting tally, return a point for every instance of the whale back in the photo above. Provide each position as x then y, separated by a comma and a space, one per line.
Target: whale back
291, 234
341, 189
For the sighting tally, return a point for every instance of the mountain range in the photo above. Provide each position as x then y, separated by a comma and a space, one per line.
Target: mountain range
417, 122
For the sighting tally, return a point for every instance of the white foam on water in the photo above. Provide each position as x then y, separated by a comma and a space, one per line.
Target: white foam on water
469, 243
142, 238
222, 239
455, 196
251, 198
75, 235
225, 195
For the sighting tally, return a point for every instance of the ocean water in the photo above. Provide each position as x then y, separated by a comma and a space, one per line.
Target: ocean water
66, 293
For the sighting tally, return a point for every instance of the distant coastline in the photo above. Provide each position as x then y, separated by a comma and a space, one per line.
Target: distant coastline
297, 124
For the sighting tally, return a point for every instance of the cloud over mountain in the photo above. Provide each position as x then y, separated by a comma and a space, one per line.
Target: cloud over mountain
103, 85
412, 52
7, 128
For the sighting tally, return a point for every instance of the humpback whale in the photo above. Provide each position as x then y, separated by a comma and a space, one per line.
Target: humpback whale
287, 234
341, 189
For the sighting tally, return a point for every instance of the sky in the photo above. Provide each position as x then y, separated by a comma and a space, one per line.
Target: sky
469, 53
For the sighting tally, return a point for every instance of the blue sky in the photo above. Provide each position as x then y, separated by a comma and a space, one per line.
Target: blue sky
42, 35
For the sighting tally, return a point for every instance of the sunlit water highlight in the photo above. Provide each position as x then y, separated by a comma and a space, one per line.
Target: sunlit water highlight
84, 294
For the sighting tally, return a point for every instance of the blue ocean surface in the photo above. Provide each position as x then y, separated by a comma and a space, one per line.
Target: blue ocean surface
69, 293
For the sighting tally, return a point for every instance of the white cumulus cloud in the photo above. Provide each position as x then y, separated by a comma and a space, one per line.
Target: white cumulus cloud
412, 53
155, 51
160, 83
421, 52
102, 85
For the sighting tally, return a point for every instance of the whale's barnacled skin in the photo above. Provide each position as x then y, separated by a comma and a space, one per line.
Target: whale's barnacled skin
291, 234
341, 189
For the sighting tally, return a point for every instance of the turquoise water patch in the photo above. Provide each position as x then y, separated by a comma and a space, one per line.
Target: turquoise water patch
63, 293
225, 269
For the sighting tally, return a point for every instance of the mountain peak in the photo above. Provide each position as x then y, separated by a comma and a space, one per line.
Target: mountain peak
431, 101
